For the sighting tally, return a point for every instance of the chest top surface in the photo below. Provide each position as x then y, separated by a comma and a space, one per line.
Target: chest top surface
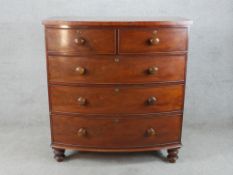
66, 22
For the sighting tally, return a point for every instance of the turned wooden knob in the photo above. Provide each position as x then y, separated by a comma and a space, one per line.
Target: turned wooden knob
79, 41
80, 70
152, 70
154, 41
82, 101
150, 132
151, 100
82, 132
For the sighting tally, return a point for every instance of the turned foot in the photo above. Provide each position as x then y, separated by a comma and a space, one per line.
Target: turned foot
172, 155
59, 154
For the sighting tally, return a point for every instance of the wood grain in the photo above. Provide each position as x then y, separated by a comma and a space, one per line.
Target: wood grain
72, 22
138, 40
116, 69
116, 85
116, 100
116, 133
96, 41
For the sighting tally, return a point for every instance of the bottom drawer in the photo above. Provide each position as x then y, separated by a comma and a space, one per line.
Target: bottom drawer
116, 132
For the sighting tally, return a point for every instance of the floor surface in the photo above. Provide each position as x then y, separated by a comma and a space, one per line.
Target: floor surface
207, 150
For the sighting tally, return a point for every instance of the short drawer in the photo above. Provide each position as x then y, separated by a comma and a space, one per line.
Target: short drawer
83, 41
116, 133
152, 40
112, 69
116, 99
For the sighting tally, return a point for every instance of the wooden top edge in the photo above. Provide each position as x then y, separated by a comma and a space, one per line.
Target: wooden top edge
67, 22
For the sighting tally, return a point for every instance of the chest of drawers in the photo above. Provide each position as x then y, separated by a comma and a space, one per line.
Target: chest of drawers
116, 85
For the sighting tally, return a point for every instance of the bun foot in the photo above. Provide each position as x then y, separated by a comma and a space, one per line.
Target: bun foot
172, 155
59, 155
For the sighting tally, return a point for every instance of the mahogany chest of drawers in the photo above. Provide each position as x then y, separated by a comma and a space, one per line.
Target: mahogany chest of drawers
116, 86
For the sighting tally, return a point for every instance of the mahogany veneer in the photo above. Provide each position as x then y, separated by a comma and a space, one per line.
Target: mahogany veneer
109, 132
170, 39
116, 85
116, 100
170, 68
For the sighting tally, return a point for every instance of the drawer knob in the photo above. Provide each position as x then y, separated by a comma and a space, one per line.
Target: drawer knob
150, 132
82, 101
80, 70
79, 41
151, 100
154, 41
82, 132
152, 70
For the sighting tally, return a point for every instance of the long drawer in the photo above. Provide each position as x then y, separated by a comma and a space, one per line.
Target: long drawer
116, 99
116, 69
116, 133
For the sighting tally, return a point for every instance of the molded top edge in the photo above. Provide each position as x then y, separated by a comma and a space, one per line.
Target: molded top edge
67, 22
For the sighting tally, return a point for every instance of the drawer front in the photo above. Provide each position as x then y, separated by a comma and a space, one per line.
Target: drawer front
149, 40
81, 41
122, 69
116, 133
117, 100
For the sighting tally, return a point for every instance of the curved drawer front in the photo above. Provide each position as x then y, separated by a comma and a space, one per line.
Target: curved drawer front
122, 69
83, 41
149, 40
116, 133
105, 100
